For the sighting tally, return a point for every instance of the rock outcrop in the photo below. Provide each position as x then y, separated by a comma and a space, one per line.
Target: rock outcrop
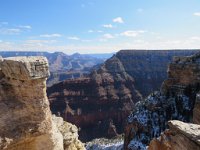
25, 118
175, 101
179, 136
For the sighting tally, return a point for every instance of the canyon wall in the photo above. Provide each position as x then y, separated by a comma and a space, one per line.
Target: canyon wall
97, 104
177, 100
100, 103
26, 122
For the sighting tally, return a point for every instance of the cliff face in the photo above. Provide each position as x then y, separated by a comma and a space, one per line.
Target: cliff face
25, 120
91, 103
175, 101
180, 135
148, 67
100, 103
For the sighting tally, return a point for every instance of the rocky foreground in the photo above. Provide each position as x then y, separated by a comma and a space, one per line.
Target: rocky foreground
100, 103
26, 122
178, 99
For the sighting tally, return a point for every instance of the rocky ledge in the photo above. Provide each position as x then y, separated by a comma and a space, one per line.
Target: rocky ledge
179, 136
26, 122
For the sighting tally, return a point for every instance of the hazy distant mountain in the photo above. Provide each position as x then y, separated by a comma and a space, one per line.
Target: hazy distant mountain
63, 66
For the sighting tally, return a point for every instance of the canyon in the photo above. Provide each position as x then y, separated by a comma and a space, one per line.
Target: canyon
100, 103
103, 103
63, 66
26, 122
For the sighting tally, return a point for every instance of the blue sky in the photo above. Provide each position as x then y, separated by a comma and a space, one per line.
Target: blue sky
98, 26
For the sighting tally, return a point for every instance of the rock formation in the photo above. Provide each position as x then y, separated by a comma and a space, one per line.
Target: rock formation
175, 101
25, 119
109, 93
179, 136
91, 103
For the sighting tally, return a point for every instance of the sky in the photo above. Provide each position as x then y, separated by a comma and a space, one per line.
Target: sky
99, 26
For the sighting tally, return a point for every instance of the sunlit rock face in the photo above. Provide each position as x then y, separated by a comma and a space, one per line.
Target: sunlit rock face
175, 101
25, 118
100, 103
179, 136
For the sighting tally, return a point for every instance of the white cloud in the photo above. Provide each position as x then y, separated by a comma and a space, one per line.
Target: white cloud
92, 31
51, 35
39, 41
25, 27
196, 14
195, 38
73, 38
48, 45
10, 31
132, 33
108, 26
118, 20
108, 36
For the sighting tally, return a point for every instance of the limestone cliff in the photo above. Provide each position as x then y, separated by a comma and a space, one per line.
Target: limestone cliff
25, 119
175, 101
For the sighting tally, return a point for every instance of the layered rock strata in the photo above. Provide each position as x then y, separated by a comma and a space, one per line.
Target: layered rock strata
91, 103
100, 103
25, 118
175, 101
